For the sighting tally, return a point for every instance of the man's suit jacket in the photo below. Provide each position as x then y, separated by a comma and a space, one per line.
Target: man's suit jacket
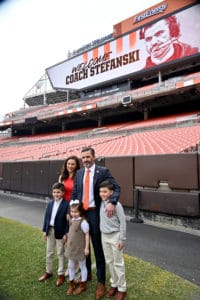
100, 174
61, 226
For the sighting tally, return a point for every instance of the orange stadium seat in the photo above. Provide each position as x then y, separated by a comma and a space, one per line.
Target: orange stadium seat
152, 141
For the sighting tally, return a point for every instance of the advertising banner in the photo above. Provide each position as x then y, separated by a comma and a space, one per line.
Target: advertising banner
168, 39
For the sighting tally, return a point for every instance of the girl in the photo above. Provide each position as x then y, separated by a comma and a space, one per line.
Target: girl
77, 247
67, 174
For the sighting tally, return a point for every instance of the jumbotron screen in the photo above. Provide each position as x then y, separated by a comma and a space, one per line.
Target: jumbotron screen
168, 39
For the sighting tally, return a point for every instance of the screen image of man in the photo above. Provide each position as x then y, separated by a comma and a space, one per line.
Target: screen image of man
162, 42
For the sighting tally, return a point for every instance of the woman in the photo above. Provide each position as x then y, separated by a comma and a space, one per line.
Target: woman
68, 172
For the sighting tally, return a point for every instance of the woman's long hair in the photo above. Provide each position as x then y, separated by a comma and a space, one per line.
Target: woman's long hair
64, 174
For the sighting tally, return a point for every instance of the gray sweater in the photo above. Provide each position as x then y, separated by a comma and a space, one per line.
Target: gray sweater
116, 223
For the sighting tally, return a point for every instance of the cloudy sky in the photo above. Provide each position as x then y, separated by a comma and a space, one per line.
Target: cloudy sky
36, 34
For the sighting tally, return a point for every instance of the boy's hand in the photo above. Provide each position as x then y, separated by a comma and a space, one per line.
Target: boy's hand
44, 236
120, 245
64, 238
68, 217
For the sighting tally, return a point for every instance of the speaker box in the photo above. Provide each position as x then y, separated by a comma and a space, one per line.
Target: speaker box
126, 100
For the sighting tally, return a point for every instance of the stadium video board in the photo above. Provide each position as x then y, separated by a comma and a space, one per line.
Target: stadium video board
168, 39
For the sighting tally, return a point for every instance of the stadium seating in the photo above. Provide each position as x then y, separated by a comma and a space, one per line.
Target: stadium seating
110, 142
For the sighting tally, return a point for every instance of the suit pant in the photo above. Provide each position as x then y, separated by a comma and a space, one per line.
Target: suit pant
52, 242
95, 234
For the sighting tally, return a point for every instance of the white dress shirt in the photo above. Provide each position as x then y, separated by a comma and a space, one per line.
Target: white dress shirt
54, 211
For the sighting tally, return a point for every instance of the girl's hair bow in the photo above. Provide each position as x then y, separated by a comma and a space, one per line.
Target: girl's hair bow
74, 202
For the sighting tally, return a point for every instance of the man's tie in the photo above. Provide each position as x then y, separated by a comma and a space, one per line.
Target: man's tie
86, 190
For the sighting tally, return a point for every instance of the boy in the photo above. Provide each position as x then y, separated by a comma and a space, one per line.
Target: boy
55, 228
113, 235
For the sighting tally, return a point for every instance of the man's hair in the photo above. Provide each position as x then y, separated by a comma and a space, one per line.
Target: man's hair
58, 186
84, 149
174, 27
107, 184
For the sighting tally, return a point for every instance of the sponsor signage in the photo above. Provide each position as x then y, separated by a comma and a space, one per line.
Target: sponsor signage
150, 12
149, 15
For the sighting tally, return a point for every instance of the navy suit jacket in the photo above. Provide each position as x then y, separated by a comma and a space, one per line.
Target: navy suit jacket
61, 225
100, 174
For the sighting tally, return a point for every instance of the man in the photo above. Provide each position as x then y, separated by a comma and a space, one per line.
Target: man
162, 42
97, 174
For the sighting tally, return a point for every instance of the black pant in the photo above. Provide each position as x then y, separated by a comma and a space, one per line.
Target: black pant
95, 234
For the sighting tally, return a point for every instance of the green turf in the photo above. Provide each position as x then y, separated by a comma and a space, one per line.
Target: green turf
22, 261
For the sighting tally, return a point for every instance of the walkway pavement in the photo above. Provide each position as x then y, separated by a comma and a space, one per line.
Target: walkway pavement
170, 249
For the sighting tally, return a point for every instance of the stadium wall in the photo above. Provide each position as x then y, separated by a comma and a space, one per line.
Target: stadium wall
168, 185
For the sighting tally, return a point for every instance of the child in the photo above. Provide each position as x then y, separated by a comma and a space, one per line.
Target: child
55, 229
77, 247
113, 235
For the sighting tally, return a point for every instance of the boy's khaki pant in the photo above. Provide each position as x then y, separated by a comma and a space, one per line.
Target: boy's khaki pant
52, 242
115, 260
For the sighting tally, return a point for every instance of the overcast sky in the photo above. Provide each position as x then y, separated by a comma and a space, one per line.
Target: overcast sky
36, 34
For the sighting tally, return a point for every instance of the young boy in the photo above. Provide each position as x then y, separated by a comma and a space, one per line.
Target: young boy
113, 235
55, 228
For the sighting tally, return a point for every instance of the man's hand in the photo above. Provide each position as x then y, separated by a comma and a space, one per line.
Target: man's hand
110, 210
